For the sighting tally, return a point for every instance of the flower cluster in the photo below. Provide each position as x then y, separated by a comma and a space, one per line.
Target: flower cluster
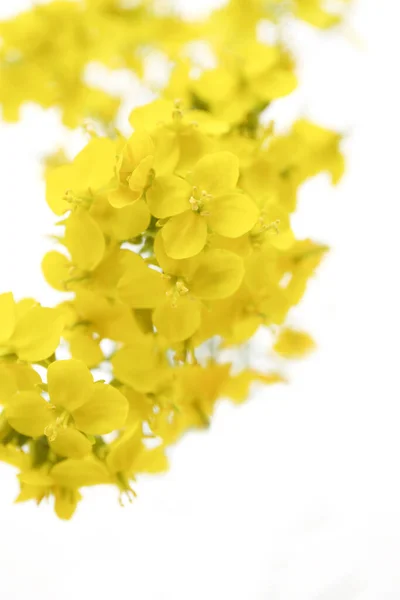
45, 52
175, 249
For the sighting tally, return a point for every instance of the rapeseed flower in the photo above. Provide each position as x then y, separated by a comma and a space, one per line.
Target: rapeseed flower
174, 242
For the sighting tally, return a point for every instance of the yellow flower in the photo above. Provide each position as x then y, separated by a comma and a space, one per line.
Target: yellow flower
38, 484
128, 456
247, 82
133, 170
183, 135
214, 204
75, 401
74, 184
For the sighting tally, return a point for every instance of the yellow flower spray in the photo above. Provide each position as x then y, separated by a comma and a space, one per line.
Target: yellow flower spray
175, 243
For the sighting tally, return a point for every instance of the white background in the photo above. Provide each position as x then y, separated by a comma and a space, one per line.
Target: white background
295, 495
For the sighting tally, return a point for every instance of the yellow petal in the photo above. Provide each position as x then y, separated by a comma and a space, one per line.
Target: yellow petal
193, 145
27, 378
31, 492
238, 387
36, 478
123, 196
216, 173
75, 473
7, 316
24, 306
71, 443
8, 384
38, 333
56, 269
84, 240
142, 287
177, 322
29, 414
16, 377
131, 221
59, 181
142, 355
218, 275
70, 383
294, 344
151, 461
168, 195
150, 115
166, 151
261, 58
91, 169
184, 235
140, 407
65, 502
275, 83
313, 13
215, 85
139, 366
181, 268
83, 347
140, 176
124, 451
138, 147
95, 163
11, 455
105, 411
208, 123
232, 215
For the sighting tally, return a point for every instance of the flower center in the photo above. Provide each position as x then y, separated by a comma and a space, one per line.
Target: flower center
199, 200
178, 289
